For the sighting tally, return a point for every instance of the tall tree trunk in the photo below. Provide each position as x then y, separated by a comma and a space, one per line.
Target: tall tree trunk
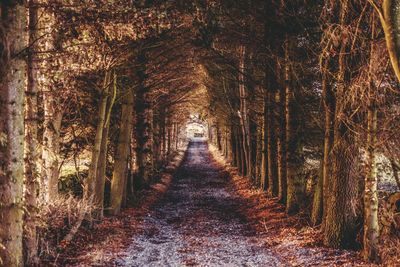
176, 136
218, 133
144, 126
322, 189
272, 148
163, 135
51, 146
233, 145
264, 161
238, 150
92, 176
169, 141
31, 145
371, 225
340, 221
371, 222
294, 157
244, 116
52, 111
258, 157
13, 86
98, 194
121, 157
281, 140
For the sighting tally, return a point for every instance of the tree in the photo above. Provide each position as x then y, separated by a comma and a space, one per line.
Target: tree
13, 86
31, 165
118, 181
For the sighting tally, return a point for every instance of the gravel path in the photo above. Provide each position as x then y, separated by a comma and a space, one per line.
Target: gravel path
198, 222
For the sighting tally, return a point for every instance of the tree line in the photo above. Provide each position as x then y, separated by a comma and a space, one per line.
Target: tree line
300, 96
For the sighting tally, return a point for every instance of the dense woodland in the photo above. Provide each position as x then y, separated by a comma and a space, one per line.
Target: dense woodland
301, 96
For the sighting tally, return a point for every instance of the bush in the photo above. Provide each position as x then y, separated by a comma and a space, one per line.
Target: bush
72, 183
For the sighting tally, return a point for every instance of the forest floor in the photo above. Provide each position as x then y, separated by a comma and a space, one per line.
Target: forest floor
205, 215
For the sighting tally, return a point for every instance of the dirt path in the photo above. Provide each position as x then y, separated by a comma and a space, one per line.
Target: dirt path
198, 222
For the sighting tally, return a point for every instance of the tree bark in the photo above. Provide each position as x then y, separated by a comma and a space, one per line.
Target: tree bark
244, 116
144, 127
98, 194
92, 176
281, 140
264, 163
31, 145
322, 190
294, 157
371, 221
340, 221
13, 87
52, 113
272, 146
121, 157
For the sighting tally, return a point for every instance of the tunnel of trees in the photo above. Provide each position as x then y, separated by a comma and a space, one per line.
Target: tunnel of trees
301, 96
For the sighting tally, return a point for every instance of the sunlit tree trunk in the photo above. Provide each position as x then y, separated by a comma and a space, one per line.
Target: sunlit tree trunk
52, 111
371, 221
98, 194
13, 86
96, 149
121, 157
31, 145
371, 225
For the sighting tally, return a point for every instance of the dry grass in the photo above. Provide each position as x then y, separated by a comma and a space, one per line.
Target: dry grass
56, 219
390, 251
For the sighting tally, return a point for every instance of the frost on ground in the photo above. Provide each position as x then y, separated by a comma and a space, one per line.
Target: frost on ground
198, 223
